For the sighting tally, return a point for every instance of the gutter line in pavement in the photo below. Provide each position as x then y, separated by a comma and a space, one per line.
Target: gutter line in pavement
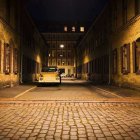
22, 93
107, 92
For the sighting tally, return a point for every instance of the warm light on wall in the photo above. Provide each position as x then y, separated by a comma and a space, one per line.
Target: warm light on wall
65, 28
73, 29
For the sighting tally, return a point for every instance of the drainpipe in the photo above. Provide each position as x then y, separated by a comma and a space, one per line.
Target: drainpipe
109, 80
21, 58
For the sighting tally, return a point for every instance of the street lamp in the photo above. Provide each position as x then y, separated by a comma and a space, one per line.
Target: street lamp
62, 46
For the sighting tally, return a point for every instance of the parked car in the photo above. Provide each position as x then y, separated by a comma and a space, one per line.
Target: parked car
49, 75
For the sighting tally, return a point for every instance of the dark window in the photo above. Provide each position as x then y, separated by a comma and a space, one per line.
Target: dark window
124, 10
15, 61
115, 61
136, 56
6, 58
49, 69
137, 6
125, 58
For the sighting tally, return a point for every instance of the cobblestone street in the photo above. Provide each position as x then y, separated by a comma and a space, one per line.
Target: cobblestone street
75, 110
61, 120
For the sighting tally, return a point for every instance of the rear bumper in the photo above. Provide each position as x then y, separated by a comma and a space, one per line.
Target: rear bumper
49, 81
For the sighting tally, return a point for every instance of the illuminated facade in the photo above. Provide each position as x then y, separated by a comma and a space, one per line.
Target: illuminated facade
62, 47
20, 45
111, 47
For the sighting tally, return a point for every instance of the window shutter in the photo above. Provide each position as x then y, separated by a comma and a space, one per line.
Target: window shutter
121, 51
7, 52
15, 61
134, 56
128, 58
0, 55
4, 64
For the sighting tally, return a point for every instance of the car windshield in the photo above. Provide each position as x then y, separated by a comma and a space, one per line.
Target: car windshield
49, 69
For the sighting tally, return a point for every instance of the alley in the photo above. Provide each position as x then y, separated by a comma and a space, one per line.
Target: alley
70, 70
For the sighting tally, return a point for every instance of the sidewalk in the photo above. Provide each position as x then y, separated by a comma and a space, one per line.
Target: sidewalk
122, 92
14, 91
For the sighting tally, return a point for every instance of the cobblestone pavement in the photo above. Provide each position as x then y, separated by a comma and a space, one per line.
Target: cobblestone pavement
63, 120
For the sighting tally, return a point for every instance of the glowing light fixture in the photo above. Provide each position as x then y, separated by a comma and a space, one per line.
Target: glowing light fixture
61, 46
65, 28
82, 29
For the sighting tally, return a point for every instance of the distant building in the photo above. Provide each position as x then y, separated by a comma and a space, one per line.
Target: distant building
62, 40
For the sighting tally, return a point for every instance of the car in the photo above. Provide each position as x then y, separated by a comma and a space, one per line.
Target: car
63, 75
49, 75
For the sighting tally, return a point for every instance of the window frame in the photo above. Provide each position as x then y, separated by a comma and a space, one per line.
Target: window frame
15, 61
7, 57
0, 56
136, 68
125, 70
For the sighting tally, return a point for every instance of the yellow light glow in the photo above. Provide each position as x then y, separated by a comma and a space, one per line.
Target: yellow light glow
82, 29
61, 46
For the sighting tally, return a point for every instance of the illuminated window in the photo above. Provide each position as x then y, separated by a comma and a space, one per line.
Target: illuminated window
53, 62
50, 62
73, 29
64, 62
65, 28
53, 53
82, 29
59, 62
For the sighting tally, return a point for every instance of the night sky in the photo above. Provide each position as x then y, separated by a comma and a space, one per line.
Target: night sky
65, 10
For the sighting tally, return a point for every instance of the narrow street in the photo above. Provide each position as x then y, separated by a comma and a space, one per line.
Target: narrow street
69, 90
75, 110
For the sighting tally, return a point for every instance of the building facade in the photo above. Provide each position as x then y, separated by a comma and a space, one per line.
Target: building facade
110, 49
15, 41
62, 47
